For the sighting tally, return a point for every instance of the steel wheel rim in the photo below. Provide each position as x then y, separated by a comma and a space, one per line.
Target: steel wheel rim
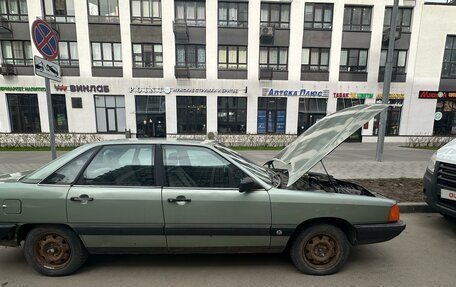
52, 251
322, 251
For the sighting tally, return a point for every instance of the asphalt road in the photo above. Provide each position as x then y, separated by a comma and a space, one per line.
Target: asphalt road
424, 255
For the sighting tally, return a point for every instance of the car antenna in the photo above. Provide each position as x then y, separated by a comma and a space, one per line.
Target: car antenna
329, 177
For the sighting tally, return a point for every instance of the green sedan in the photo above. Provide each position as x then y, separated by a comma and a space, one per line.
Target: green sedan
163, 196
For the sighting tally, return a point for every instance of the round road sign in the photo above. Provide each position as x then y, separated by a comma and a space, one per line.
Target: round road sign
46, 41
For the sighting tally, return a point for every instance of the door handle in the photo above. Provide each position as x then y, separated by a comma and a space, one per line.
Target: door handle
179, 199
82, 198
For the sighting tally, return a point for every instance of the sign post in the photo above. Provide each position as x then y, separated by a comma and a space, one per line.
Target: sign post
47, 43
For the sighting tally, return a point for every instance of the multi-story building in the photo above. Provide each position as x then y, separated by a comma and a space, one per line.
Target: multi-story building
243, 68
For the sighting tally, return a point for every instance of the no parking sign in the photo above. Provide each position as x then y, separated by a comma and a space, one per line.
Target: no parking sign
45, 40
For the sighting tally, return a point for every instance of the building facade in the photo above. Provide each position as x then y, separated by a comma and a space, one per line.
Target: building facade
238, 68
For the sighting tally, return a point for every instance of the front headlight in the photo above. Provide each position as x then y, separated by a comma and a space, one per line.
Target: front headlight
431, 164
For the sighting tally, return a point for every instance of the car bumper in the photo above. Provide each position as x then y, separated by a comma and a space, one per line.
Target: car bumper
432, 196
374, 233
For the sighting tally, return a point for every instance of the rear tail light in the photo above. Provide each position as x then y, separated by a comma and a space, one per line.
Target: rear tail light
394, 214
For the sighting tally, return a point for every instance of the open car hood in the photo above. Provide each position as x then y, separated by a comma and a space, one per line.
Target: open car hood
323, 137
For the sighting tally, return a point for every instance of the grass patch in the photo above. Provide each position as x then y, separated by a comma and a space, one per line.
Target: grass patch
423, 147
256, 148
35, 148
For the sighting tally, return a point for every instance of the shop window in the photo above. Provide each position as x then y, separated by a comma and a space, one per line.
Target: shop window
59, 10
393, 119
399, 61
103, 11
17, 53
60, 114
271, 115
232, 115
318, 16
404, 19
191, 115
106, 54
233, 14
191, 56
147, 56
445, 118
357, 18
68, 54
311, 110
449, 58
145, 11
14, 10
232, 57
24, 113
150, 116
275, 15
110, 114
353, 60
275, 58
192, 13
347, 103
315, 60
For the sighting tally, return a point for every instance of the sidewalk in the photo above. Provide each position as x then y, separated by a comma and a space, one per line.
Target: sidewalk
350, 160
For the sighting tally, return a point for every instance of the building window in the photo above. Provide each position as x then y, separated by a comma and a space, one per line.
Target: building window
311, 110
357, 18
14, 10
191, 56
275, 58
110, 114
103, 11
315, 60
76, 102
232, 57
399, 61
147, 56
106, 54
393, 119
232, 115
191, 115
24, 113
233, 14
60, 114
353, 60
271, 115
192, 13
145, 11
449, 58
446, 124
404, 19
150, 116
68, 54
59, 10
275, 15
17, 52
347, 103
318, 16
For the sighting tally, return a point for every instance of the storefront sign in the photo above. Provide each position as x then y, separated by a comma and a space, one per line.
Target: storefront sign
354, 95
82, 88
436, 95
167, 90
22, 89
393, 96
438, 116
295, 93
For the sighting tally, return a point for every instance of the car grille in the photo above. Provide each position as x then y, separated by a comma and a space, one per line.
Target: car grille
446, 178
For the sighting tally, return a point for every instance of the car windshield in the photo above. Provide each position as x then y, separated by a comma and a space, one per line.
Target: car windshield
263, 173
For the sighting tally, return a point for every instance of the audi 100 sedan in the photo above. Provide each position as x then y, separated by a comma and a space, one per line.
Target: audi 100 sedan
162, 196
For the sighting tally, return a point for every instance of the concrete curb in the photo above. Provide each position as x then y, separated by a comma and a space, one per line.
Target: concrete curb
415, 207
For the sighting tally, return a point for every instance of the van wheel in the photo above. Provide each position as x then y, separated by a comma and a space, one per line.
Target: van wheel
54, 250
320, 250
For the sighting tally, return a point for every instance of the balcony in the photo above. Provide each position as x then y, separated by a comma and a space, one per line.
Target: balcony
5, 26
8, 70
181, 72
265, 74
180, 29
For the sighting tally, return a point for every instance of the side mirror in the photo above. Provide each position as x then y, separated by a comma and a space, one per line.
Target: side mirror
247, 184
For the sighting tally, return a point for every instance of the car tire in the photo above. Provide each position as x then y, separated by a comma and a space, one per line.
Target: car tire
54, 250
320, 250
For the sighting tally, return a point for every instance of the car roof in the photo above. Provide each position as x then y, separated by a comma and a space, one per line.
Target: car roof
155, 141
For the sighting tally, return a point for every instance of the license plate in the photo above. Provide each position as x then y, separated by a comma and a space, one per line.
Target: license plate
448, 194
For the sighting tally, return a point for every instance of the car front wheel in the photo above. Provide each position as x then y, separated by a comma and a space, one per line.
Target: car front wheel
54, 250
320, 250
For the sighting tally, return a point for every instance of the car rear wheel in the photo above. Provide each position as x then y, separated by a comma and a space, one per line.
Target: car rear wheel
54, 250
320, 250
